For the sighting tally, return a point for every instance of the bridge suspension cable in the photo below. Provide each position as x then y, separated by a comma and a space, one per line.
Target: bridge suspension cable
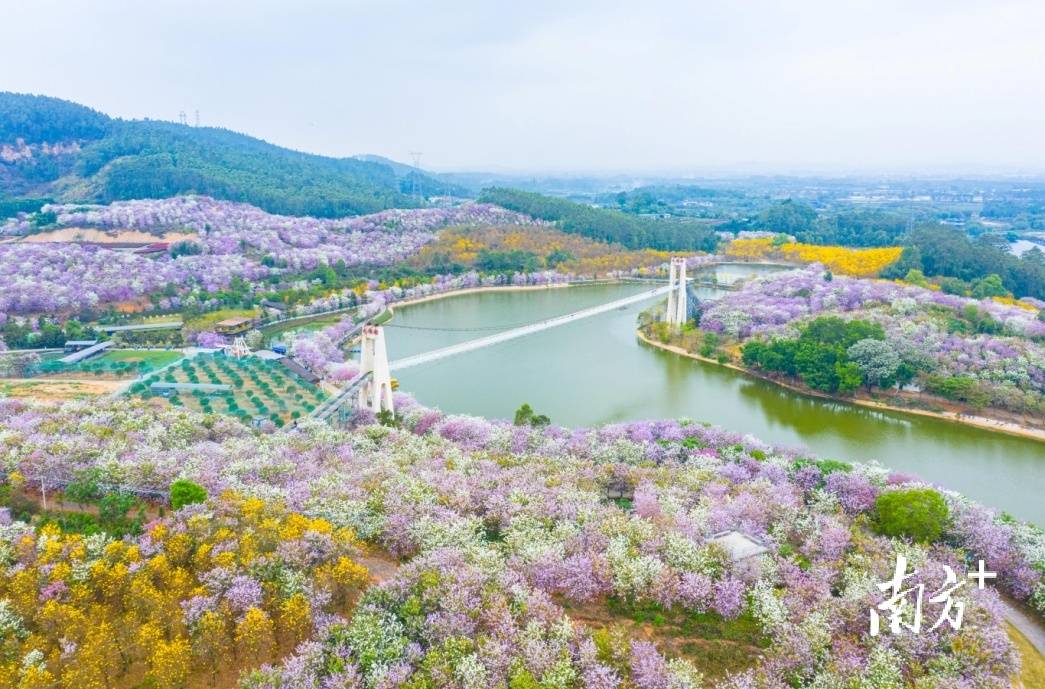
436, 328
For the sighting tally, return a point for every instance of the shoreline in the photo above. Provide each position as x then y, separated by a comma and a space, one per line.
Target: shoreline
981, 422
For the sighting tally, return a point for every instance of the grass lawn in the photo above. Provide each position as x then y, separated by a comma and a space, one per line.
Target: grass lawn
117, 364
148, 320
156, 358
1032, 674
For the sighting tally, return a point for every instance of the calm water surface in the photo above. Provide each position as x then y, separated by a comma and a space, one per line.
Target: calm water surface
596, 371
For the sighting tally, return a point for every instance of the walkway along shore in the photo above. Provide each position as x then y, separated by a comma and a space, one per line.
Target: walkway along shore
969, 420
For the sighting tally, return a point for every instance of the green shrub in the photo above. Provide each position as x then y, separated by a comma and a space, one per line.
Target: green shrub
186, 493
830, 466
916, 513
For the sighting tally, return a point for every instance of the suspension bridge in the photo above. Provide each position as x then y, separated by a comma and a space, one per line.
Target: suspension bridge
505, 336
372, 388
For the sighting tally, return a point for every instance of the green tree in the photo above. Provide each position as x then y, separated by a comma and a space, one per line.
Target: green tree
788, 217
185, 492
916, 277
920, 514
989, 286
557, 256
849, 378
958, 388
818, 363
877, 360
525, 416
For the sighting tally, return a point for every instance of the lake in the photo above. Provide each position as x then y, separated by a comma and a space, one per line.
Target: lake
596, 371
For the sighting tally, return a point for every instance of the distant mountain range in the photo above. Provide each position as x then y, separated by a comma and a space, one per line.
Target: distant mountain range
55, 148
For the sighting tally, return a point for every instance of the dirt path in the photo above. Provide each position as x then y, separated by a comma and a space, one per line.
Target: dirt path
382, 566
96, 236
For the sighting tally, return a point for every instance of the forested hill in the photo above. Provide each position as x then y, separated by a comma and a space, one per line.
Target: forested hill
632, 231
51, 147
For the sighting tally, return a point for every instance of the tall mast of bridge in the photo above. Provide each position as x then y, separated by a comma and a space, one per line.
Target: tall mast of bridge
677, 306
376, 393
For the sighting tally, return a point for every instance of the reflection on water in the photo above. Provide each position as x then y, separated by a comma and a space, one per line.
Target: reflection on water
596, 371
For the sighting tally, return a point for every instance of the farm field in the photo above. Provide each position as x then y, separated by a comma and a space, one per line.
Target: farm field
56, 390
258, 389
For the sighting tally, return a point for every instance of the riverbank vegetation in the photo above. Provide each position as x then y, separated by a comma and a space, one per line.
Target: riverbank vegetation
838, 335
501, 532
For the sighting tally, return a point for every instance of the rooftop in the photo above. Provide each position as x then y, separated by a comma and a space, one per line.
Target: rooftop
300, 370
739, 545
85, 353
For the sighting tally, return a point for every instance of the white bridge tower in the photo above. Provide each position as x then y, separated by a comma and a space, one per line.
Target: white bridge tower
677, 307
375, 393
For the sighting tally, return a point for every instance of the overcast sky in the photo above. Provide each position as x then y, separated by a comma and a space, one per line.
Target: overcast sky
697, 86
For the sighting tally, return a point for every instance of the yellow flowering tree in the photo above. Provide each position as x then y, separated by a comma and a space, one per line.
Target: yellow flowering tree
840, 259
198, 596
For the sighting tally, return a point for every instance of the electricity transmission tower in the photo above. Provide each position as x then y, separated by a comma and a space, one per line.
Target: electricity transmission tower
182, 118
197, 118
416, 156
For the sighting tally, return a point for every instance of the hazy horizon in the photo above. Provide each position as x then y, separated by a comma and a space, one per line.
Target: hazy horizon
668, 88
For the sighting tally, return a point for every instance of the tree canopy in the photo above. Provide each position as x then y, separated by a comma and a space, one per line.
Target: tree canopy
605, 225
942, 251
39, 119
104, 160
